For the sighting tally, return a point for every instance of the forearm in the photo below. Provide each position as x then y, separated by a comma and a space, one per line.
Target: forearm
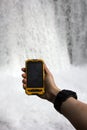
76, 112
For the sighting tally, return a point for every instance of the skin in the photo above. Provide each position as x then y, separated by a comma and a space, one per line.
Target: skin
74, 110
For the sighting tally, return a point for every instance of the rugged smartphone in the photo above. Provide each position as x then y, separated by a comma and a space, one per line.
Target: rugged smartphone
35, 77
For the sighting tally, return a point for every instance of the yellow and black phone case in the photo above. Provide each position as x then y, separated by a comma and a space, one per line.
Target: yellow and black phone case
37, 90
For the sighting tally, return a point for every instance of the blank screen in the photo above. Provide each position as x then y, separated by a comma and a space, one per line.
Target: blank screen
34, 74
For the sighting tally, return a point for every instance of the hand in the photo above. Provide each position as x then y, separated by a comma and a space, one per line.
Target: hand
50, 86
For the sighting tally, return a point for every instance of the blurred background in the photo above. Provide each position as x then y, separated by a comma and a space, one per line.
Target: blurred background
55, 31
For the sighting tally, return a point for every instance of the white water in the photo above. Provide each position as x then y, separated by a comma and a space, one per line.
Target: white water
28, 30
19, 111
34, 29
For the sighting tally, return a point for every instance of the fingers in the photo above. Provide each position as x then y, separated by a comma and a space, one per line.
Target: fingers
24, 75
23, 69
24, 86
24, 81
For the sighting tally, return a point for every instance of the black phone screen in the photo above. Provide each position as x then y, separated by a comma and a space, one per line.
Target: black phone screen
34, 74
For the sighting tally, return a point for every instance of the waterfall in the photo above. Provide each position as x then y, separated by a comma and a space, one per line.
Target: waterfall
54, 30
29, 29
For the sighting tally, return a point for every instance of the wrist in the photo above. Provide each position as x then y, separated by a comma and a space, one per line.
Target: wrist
53, 94
61, 97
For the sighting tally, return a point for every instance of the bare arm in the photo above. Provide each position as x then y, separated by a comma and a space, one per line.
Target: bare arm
74, 110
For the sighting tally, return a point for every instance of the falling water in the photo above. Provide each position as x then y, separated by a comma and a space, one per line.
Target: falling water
29, 29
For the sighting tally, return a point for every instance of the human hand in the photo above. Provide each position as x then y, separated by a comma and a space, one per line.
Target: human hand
51, 90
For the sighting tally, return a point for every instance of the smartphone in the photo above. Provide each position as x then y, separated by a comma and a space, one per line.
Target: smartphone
35, 77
